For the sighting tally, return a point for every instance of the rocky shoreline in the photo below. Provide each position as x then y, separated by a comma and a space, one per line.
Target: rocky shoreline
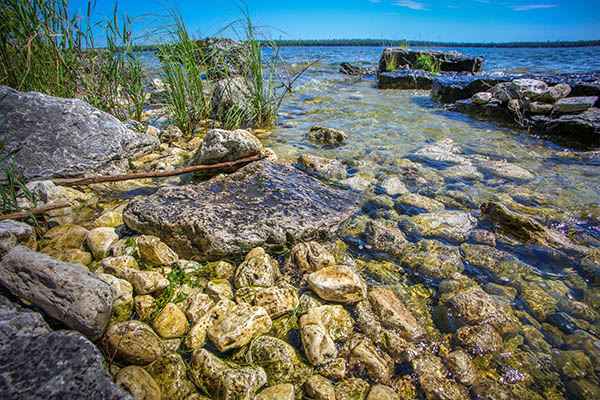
243, 284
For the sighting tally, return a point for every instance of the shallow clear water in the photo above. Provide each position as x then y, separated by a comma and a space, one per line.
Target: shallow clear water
385, 127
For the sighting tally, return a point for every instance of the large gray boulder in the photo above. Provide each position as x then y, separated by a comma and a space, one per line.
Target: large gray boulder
66, 137
264, 204
66, 292
38, 363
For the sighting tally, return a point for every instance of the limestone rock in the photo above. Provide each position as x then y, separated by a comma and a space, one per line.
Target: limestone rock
82, 139
393, 186
310, 257
231, 97
371, 362
144, 306
481, 97
529, 87
16, 232
145, 282
395, 58
318, 345
326, 136
205, 367
339, 283
154, 252
476, 306
240, 325
556, 92
537, 107
285, 391
574, 364
412, 203
394, 314
198, 306
196, 337
434, 259
235, 212
74, 296
507, 170
575, 104
461, 366
220, 146
323, 167
119, 266
170, 322
99, 241
384, 238
138, 382
319, 388
219, 289
37, 363
169, 373
133, 342
336, 321
258, 269
242, 383
63, 237
277, 300
122, 292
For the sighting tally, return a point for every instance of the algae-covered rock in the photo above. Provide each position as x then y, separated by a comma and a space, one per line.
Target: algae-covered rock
572, 364
239, 383
338, 283
170, 374
479, 339
333, 318
138, 382
198, 306
205, 366
219, 289
326, 136
385, 238
394, 314
382, 392
461, 367
133, 342
145, 282
323, 167
413, 203
119, 266
369, 361
238, 326
170, 322
320, 388
196, 336
352, 389
449, 225
434, 259
285, 391
277, 300
258, 269
63, 237
122, 292
476, 306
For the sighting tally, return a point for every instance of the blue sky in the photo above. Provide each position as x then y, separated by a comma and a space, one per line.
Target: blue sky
455, 20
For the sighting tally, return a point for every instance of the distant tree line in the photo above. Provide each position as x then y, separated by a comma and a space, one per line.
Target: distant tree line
424, 43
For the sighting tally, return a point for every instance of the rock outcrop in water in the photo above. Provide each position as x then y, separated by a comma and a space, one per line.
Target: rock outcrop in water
263, 204
66, 137
395, 58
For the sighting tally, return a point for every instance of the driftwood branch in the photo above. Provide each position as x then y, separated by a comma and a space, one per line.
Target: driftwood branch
34, 211
142, 175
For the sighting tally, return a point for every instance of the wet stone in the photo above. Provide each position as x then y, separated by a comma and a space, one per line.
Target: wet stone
133, 342
325, 136
323, 167
170, 374
385, 238
339, 284
352, 389
284, 391
242, 383
481, 97
320, 388
476, 306
145, 282
154, 252
277, 300
258, 269
138, 382
382, 392
122, 292
318, 345
461, 367
572, 364
99, 241
170, 322
479, 339
574, 104
371, 362
450, 225
529, 87
393, 186
434, 259
394, 314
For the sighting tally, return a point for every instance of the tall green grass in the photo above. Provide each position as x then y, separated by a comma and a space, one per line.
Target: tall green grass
44, 48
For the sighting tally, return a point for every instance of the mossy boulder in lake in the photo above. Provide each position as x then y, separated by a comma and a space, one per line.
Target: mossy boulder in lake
263, 204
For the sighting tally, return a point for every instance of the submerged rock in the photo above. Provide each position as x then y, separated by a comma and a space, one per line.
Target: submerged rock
338, 283
66, 137
326, 136
320, 388
170, 374
138, 382
394, 314
450, 225
263, 204
133, 342
323, 167
238, 326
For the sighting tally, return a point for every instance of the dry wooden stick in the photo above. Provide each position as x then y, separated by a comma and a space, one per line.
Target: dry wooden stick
142, 175
34, 211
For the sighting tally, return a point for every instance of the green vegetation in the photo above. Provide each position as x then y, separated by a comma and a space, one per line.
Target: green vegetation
12, 184
427, 63
421, 43
44, 48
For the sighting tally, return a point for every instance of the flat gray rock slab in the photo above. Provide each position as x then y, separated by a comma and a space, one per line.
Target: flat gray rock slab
66, 137
66, 292
575, 104
38, 363
264, 204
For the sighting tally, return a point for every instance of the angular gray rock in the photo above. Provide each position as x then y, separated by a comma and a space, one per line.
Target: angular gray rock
66, 137
66, 292
263, 204
220, 145
406, 79
231, 96
575, 104
37, 363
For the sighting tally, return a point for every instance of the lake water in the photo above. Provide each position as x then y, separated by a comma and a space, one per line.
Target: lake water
550, 292
385, 128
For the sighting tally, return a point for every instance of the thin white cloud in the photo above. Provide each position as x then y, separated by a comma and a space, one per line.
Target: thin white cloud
533, 7
413, 5
375, 1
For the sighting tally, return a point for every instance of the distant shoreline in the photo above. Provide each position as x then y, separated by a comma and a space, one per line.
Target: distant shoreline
422, 43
